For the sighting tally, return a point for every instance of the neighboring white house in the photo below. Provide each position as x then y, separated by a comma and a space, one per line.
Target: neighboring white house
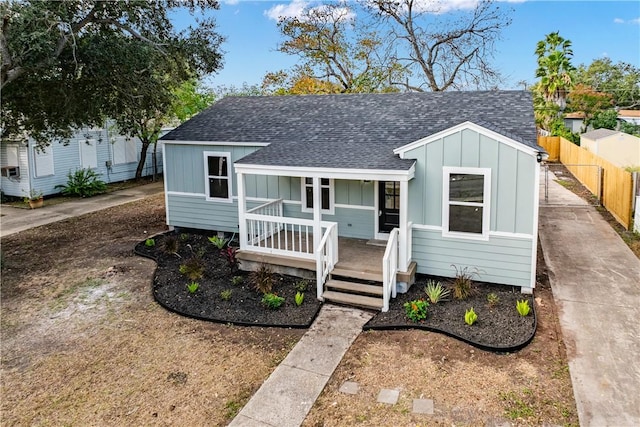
617, 147
115, 157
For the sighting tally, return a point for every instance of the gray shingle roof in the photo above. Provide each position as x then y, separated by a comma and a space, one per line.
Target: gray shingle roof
599, 133
355, 130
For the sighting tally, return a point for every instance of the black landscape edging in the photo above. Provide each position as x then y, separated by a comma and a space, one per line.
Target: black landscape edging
213, 319
508, 349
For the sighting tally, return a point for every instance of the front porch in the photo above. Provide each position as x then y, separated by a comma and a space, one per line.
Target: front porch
357, 278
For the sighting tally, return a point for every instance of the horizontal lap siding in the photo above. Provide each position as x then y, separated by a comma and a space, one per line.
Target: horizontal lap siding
503, 260
196, 212
356, 223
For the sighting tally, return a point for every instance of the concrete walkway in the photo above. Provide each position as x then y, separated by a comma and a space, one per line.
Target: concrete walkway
14, 220
595, 280
286, 397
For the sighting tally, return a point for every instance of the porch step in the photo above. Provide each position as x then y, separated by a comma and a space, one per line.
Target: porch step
352, 287
352, 299
374, 276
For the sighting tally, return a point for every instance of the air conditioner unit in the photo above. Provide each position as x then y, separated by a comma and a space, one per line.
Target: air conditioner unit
10, 171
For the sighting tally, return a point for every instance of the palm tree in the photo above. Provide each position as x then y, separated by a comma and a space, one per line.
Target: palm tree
555, 69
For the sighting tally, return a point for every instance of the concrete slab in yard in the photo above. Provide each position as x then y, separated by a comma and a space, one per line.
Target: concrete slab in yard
349, 387
423, 406
388, 396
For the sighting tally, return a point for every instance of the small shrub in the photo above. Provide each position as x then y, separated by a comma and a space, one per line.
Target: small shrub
193, 287
416, 310
237, 280
170, 244
523, 307
436, 292
150, 243
193, 268
301, 285
463, 286
299, 298
83, 183
226, 294
218, 242
272, 301
184, 237
470, 317
493, 299
231, 255
262, 279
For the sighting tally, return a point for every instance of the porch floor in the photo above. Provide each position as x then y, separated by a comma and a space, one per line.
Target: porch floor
353, 255
357, 258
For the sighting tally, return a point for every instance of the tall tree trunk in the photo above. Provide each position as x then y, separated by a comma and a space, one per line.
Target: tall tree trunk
155, 161
143, 158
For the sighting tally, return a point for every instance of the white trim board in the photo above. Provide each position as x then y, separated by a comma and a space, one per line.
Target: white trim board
348, 174
215, 143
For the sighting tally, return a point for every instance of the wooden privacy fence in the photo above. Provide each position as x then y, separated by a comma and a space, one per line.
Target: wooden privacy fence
617, 183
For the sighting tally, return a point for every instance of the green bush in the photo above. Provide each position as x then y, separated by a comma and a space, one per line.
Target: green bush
436, 292
299, 298
149, 243
193, 287
226, 294
470, 317
416, 310
83, 183
272, 301
523, 307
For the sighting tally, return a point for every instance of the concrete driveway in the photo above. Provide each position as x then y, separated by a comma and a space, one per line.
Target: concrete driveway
595, 279
14, 220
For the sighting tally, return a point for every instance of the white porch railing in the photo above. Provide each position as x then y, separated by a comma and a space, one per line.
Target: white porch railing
269, 231
326, 256
389, 269
409, 244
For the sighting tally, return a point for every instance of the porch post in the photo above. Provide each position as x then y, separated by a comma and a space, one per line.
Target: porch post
317, 233
403, 256
242, 208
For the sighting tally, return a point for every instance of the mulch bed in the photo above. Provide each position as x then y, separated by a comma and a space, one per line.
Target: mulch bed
499, 327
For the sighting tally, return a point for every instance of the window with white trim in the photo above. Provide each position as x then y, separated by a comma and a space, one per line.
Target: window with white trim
466, 202
218, 175
326, 195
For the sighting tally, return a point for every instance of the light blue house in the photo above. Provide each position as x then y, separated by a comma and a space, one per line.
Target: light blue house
413, 182
115, 157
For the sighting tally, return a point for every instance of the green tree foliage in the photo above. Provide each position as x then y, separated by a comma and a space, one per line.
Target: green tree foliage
589, 102
73, 63
555, 70
605, 119
621, 80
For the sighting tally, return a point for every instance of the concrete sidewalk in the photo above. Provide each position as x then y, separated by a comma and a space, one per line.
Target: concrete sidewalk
286, 397
14, 220
595, 280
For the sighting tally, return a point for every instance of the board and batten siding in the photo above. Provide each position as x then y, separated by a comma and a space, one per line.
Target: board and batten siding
506, 257
505, 260
187, 205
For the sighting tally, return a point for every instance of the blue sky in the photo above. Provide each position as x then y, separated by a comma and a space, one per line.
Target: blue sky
596, 28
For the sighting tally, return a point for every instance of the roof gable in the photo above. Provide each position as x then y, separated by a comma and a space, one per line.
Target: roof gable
486, 129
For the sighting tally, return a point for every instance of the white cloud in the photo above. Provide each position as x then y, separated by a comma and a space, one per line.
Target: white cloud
635, 21
291, 10
231, 2
618, 21
296, 8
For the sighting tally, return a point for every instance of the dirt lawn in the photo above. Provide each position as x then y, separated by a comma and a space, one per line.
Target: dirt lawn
83, 343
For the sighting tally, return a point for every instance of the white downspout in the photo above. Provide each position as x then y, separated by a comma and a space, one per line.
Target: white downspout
242, 223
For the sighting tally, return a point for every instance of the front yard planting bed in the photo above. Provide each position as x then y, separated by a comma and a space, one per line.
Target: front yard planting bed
499, 326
